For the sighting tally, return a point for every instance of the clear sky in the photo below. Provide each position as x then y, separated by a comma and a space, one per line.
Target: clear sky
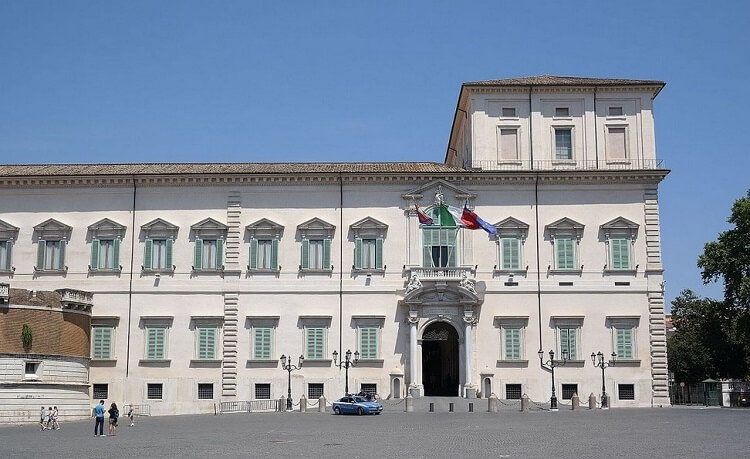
185, 81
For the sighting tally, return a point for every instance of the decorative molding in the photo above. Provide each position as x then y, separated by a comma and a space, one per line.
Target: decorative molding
209, 227
159, 228
265, 227
369, 227
53, 229
106, 228
316, 227
8, 231
229, 348
653, 231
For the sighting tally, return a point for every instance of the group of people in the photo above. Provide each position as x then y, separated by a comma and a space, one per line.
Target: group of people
114, 414
48, 419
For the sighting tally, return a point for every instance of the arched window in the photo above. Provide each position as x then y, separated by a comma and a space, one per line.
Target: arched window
439, 240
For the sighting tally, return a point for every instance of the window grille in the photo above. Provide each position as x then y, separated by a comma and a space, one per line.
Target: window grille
205, 391
513, 391
154, 391
262, 391
626, 391
568, 390
314, 390
100, 392
370, 389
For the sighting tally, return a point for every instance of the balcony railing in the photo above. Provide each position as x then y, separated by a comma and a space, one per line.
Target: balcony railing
573, 165
77, 299
438, 274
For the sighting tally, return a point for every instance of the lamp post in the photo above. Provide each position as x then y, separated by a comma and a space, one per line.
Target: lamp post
346, 363
551, 364
289, 368
598, 360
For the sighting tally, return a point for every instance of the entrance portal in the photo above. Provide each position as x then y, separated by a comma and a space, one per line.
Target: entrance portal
440, 360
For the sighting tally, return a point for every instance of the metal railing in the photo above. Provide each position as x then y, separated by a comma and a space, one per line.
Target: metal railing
430, 274
564, 164
248, 406
138, 410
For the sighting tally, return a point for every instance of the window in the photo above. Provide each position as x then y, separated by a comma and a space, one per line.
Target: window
6, 248
619, 235
262, 340
368, 254
316, 245
263, 391
206, 345
264, 254
156, 343
439, 247
510, 253
616, 144
101, 348
105, 254
624, 342
31, 370
626, 391
100, 392
370, 389
368, 343
513, 392
209, 254
619, 254
317, 251
562, 112
154, 391
563, 143
508, 144
567, 336
565, 251
568, 390
206, 391
314, 390
512, 342
159, 245
52, 236
615, 111
509, 112
511, 234
315, 343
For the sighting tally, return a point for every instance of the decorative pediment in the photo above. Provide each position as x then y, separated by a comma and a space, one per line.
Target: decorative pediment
159, 228
106, 228
369, 227
565, 226
316, 227
438, 186
8, 231
620, 225
265, 227
53, 229
512, 227
208, 227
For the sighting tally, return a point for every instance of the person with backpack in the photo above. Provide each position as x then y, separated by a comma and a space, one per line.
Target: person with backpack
114, 413
99, 414
55, 424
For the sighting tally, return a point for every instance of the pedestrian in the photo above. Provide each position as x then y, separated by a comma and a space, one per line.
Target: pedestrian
42, 419
55, 415
114, 413
131, 415
99, 414
49, 418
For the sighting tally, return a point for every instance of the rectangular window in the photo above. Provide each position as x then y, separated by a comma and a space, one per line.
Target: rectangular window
512, 342
508, 144
568, 390
368, 253
509, 112
5, 255
370, 389
156, 343
314, 391
615, 111
264, 254
206, 343
624, 343
316, 254
262, 337
107, 254
565, 251
368, 342
31, 370
568, 338
53, 255
262, 392
510, 253
619, 254
564, 143
154, 391
205, 391
616, 147
562, 112
159, 254
101, 348
513, 392
100, 392
439, 246
626, 391
315, 342
209, 249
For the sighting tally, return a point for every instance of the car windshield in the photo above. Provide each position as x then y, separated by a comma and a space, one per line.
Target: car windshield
359, 399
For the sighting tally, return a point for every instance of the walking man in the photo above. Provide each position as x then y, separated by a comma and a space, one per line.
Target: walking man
99, 414
42, 419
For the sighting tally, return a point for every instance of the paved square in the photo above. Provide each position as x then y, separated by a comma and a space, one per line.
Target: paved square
669, 432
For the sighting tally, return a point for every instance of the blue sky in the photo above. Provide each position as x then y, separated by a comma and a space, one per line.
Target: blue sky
136, 81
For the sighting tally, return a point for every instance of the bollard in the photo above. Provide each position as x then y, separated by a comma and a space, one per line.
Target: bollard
450, 407
432, 407
574, 401
492, 404
302, 404
471, 407
525, 403
322, 404
282, 404
592, 401
409, 402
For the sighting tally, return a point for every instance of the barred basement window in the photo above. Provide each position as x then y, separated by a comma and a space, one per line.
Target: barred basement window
626, 391
101, 392
512, 391
154, 391
262, 391
314, 390
568, 390
371, 389
205, 391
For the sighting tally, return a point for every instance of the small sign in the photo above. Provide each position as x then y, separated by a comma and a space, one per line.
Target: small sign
682, 384
4, 292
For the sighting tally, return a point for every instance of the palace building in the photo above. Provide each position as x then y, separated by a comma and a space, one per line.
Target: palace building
198, 277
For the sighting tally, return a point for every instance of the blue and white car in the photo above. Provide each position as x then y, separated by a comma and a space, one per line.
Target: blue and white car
354, 404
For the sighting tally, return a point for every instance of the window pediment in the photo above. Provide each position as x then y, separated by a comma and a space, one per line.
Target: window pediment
316, 227
265, 227
208, 227
512, 227
53, 229
8, 231
369, 227
620, 225
461, 194
565, 226
105, 228
159, 228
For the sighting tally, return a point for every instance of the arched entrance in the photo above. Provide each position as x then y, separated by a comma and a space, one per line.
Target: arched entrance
440, 360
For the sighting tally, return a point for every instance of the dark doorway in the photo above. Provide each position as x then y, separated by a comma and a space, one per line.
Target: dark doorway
440, 360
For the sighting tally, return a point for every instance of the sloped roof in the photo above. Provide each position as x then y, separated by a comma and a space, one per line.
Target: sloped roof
553, 80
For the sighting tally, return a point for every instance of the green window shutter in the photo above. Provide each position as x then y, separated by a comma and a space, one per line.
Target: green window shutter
512, 343
450, 237
206, 343
305, 254
253, 253
326, 254
148, 253
198, 254
357, 253
568, 337
511, 253
368, 342
220, 254
61, 258
116, 254
155, 343
379, 253
8, 255
427, 248
624, 343
94, 265
565, 253
620, 253
262, 346
274, 254
168, 265
315, 344
102, 348
41, 246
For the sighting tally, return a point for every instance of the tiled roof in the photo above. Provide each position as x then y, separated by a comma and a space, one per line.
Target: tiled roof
552, 80
48, 170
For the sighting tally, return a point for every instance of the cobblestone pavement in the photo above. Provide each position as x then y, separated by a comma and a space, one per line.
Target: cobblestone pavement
669, 432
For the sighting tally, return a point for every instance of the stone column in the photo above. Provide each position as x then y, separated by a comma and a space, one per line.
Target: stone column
413, 388
470, 389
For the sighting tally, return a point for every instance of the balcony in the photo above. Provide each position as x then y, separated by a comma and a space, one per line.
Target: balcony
441, 274
76, 299
570, 165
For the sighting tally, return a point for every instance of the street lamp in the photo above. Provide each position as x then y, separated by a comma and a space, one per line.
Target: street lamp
550, 365
598, 360
287, 366
345, 364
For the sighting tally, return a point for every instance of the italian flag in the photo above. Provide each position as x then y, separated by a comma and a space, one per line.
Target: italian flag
463, 218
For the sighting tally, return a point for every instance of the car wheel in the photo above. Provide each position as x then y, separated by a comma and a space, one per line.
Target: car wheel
336, 410
360, 411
